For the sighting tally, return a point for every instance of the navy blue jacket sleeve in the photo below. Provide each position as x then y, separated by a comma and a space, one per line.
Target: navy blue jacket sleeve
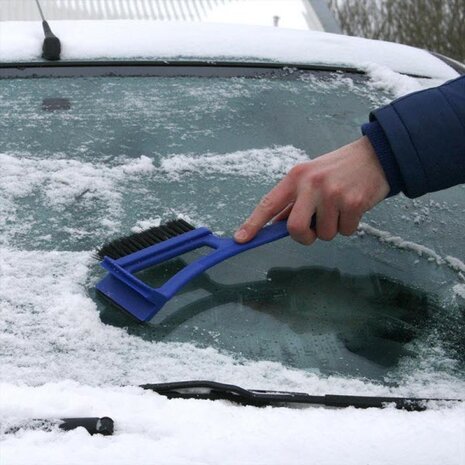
420, 139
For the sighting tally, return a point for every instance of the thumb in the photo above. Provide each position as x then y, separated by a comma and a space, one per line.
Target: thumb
245, 233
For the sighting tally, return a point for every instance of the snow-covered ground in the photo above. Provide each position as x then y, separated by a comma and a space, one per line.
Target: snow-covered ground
58, 359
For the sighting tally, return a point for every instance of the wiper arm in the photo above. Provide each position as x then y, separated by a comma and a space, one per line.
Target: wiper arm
210, 390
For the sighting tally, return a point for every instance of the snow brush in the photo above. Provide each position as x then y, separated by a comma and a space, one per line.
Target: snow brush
124, 257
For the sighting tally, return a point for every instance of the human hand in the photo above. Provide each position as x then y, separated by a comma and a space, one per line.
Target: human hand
339, 187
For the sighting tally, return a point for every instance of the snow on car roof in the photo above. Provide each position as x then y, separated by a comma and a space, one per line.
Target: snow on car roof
150, 40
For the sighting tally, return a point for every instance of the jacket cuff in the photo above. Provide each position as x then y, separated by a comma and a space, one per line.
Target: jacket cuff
385, 155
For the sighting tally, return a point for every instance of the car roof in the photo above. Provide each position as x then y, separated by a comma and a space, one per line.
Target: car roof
151, 40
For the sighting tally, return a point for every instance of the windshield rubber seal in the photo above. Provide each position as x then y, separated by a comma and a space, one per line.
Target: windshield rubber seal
162, 69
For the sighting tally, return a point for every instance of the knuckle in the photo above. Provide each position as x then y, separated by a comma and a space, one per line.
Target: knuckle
316, 178
333, 192
355, 204
300, 232
309, 175
295, 228
297, 170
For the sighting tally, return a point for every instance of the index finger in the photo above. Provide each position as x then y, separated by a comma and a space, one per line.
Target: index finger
270, 205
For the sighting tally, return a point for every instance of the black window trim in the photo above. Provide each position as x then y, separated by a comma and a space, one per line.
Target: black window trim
454, 64
162, 68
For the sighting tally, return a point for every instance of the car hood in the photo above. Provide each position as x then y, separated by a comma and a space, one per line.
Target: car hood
150, 40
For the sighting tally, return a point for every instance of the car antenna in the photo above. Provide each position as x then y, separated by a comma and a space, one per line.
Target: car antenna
51, 48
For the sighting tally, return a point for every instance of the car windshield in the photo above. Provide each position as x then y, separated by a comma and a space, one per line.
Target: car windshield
87, 159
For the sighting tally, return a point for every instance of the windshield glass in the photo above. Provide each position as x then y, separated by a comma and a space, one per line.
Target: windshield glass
84, 160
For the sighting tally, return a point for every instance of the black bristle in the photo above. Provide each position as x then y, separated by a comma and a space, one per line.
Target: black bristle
123, 246
185, 225
142, 240
177, 228
166, 230
133, 247
111, 250
156, 236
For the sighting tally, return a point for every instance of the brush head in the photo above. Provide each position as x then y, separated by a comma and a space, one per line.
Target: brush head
124, 246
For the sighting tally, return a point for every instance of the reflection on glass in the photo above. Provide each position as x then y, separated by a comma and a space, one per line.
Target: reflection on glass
309, 317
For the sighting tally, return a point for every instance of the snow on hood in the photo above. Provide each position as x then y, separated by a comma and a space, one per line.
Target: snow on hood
92, 40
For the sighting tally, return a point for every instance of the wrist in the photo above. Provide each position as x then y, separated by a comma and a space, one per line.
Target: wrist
375, 176
382, 149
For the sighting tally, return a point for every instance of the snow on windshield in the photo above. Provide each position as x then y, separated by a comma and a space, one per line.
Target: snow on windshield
183, 147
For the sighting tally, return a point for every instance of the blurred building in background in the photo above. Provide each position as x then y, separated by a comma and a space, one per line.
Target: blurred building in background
295, 14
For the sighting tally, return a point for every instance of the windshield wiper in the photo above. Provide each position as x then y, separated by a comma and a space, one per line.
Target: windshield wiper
93, 425
210, 390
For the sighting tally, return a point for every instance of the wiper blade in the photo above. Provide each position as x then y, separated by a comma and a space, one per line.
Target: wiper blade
210, 390
93, 425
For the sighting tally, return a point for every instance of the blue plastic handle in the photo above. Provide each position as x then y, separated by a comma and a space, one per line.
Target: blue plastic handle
124, 288
225, 248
